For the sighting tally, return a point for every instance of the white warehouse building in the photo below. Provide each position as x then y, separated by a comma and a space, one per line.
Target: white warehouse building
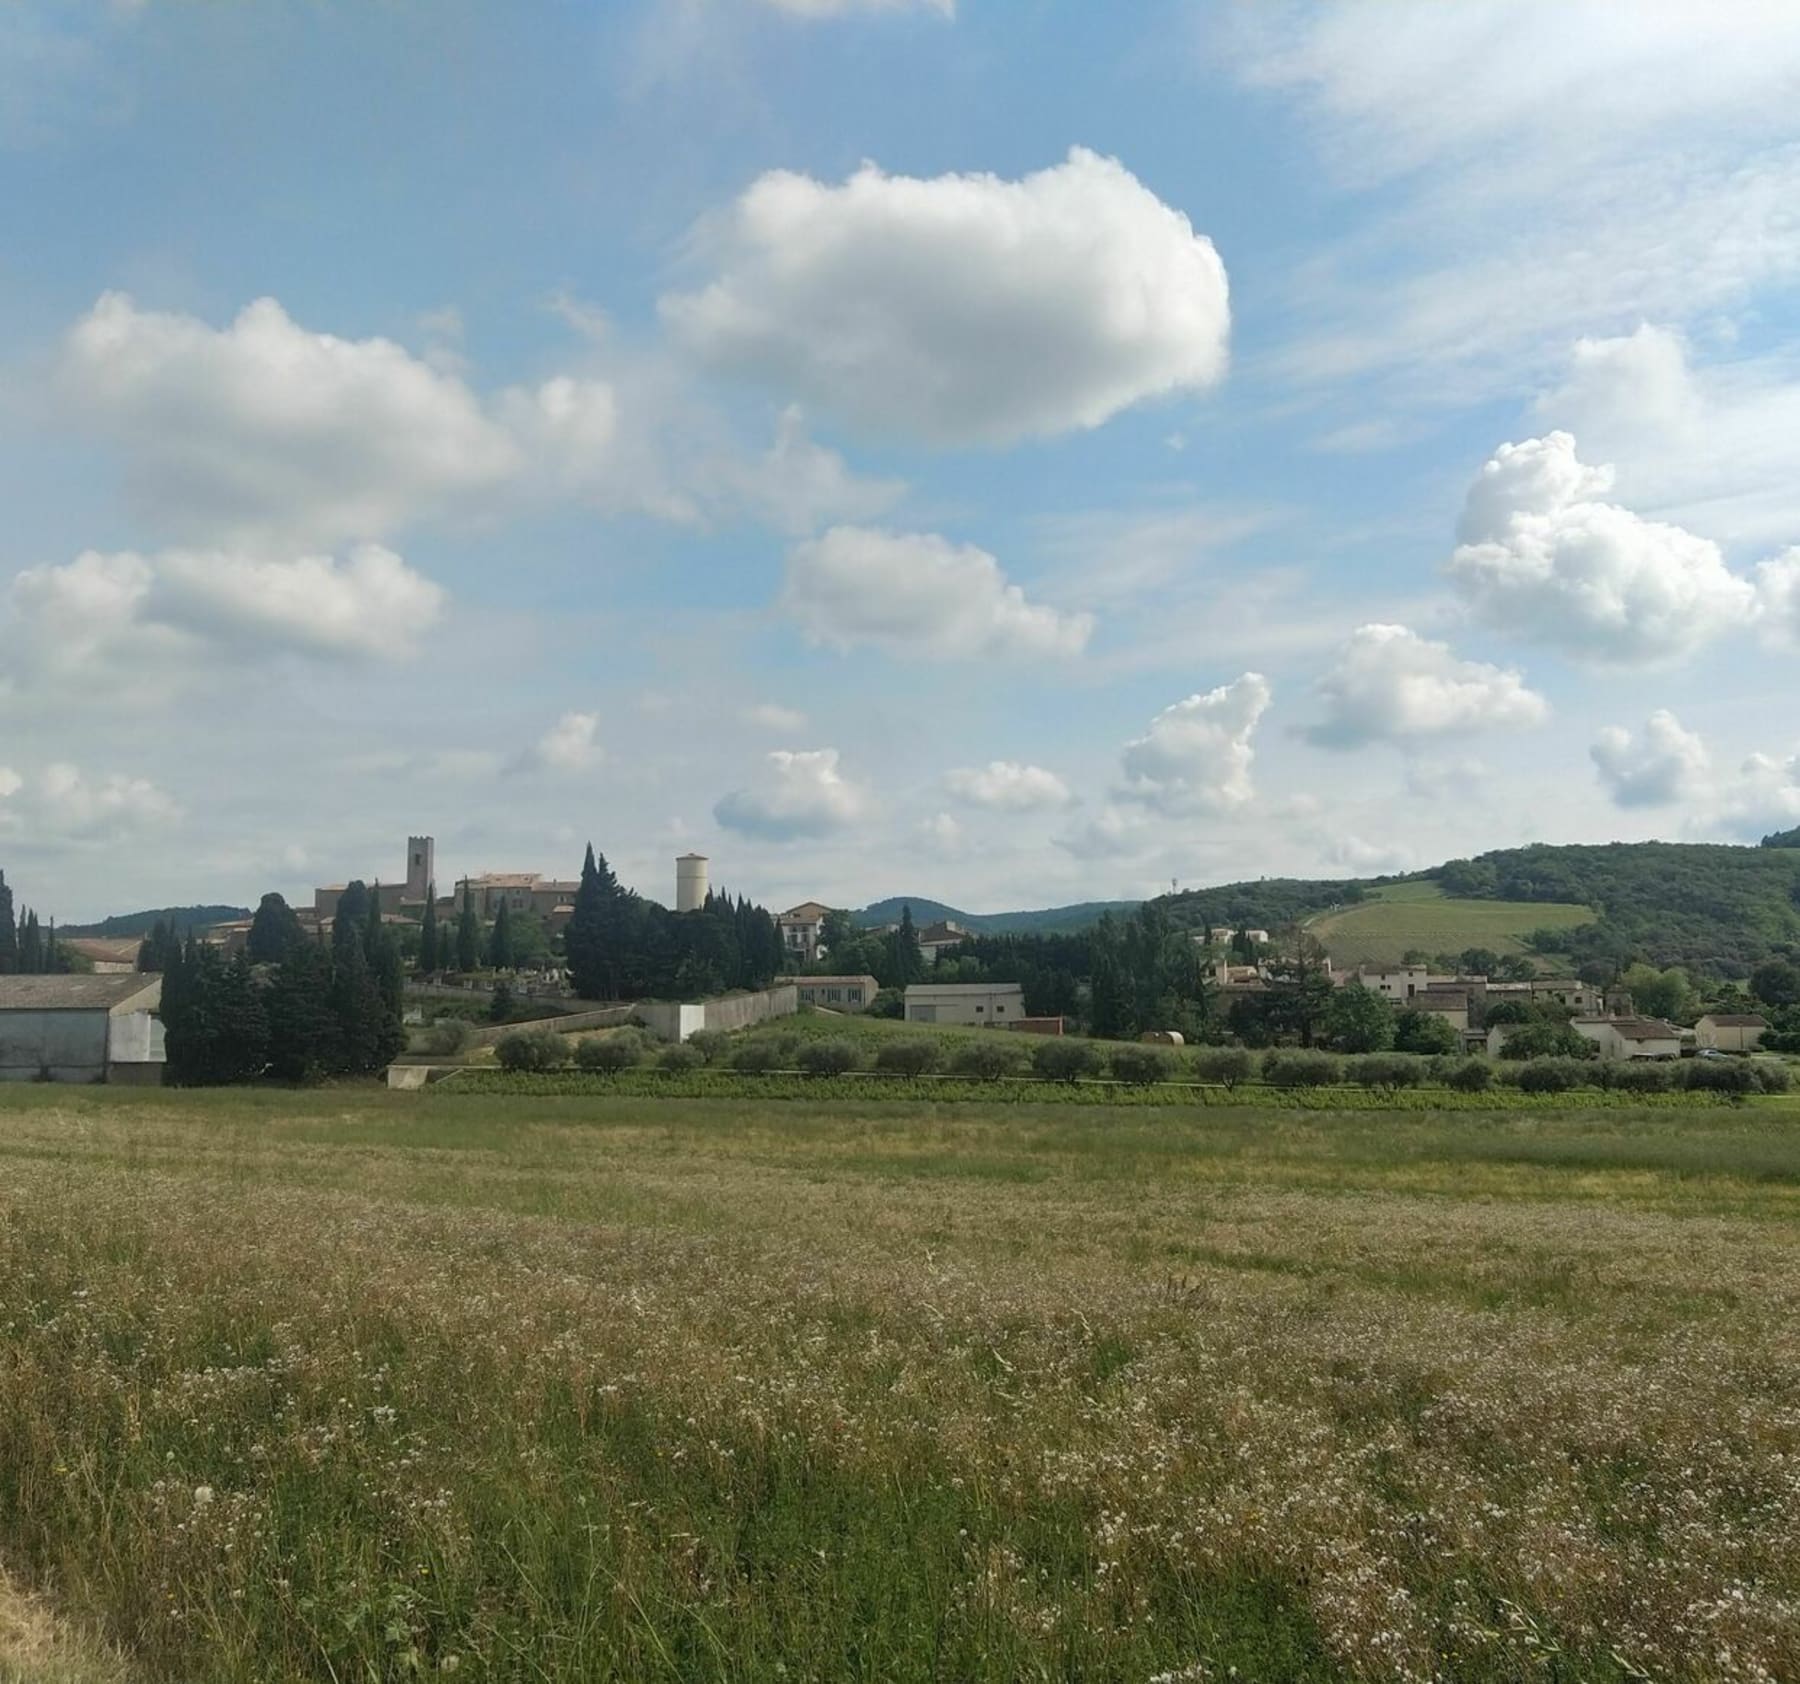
81, 1029
978, 1005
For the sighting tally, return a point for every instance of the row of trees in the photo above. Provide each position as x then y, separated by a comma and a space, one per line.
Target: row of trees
26, 947
620, 946
314, 1010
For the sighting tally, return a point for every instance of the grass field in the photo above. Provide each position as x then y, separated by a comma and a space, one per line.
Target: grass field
1402, 916
352, 1386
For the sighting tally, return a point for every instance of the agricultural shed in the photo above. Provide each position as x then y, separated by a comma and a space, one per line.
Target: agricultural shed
81, 1029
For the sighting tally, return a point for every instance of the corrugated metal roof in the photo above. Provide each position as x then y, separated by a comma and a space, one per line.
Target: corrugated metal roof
78, 993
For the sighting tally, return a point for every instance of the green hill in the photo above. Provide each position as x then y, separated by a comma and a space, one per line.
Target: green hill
184, 918
1051, 921
1402, 917
1716, 909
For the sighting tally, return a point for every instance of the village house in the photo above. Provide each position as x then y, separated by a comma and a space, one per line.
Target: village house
1731, 1032
1630, 1037
836, 993
977, 1005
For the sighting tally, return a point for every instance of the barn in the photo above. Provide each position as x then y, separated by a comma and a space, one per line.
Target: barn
81, 1029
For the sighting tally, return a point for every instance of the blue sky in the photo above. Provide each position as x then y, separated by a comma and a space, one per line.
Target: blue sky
1014, 453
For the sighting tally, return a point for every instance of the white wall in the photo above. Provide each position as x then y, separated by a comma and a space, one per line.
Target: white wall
69, 1045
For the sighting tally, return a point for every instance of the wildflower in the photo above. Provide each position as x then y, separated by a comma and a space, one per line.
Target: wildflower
203, 1494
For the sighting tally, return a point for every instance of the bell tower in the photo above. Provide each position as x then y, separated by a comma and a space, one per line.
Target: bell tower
421, 867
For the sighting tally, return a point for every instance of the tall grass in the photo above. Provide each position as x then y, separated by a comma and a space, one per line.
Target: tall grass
352, 1386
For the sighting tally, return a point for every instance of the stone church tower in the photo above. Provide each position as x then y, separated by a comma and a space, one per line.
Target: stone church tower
421, 867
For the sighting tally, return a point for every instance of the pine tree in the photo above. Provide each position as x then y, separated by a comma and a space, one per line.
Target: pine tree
428, 932
500, 939
9, 936
468, 932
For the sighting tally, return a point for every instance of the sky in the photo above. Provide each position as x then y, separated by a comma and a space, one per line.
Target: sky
1008, 451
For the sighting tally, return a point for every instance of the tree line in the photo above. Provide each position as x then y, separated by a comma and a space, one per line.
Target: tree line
27, 948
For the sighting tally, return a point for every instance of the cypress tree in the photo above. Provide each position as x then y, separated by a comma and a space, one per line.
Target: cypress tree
351, 917
305, 1043
372, 922
468, 932
428, 932
273, 931
500, 940
356, 1001
241, 1051
9, 936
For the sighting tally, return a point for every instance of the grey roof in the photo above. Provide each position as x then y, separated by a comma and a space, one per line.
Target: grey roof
79, 993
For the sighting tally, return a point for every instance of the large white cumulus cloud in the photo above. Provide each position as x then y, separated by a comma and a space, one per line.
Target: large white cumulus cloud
1197, 754
102, 610
1663, 764
1009, 786
1388, 684
1544, 557
801, 793
916, 593
266, 426
962, 308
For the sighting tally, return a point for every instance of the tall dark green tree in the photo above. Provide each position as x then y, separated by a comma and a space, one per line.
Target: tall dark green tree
500, 939
356, 999
9, 935
305, 1037
352, 916
592, 942
428, 932
273, 931
468, 932
906, 964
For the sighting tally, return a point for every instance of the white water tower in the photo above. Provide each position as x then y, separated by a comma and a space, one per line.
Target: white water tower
690, 882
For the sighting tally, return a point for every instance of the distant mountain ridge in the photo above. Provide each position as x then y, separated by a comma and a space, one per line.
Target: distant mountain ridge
183, 918
1050, 921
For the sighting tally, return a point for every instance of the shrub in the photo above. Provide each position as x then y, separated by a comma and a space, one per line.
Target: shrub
912, 1056
1142, 1066
1059, 1060
1551, 1075
609, 1054
500, 1006
758, 1057
829, 1058
1639, 1078
447, 1037
1473, 1075
1225, 1065
1424, 1032
532, 1050
1718, 1075
1772, 1077
888, 1002
987, 1059
678, 1059
1284, 1068
711, 1044
1386, 1070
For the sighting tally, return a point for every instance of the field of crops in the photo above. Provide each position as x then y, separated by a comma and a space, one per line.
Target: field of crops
350, 1385
1404, 916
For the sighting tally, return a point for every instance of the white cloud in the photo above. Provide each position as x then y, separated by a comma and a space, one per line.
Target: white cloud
1198, 753
1008, 786
1764, 797
1548, 173
370, 605
62, 805
265, 428
1778, 598
1541, 556
140, 615
802, 794
1111, 834
798, 484
1665, 764
572, 744
919, 594
1718, 443
942, 834
962, 308
1391, 685
773, 716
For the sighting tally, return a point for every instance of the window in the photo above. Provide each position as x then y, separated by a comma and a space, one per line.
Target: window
999, 1011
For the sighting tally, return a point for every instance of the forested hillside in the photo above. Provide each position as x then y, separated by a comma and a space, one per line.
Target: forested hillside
182, 918
1050, 921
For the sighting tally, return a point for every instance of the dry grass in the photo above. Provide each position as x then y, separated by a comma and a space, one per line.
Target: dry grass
38, 1648
357, 1386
